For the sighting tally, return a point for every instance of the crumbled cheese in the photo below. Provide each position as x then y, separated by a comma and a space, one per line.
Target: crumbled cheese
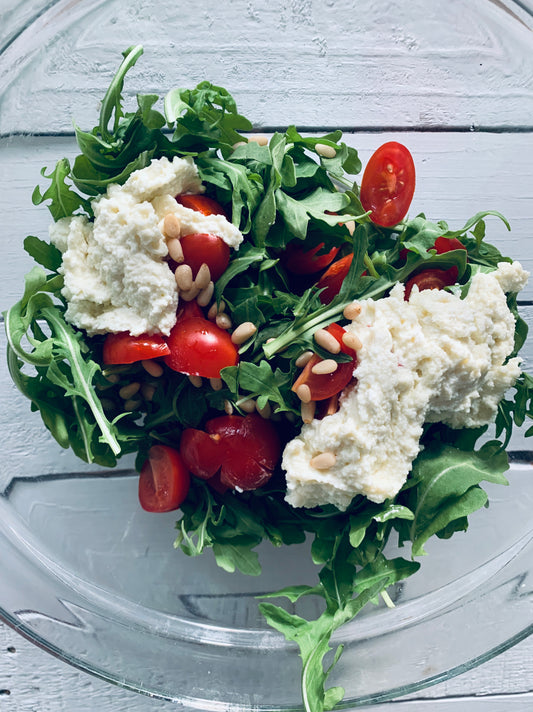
115, 269
436, 358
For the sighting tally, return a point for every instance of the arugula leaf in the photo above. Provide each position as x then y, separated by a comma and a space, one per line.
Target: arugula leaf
64, 201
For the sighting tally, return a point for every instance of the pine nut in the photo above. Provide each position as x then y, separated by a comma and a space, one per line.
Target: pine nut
228, 407
303, 359
324, 150
307, 411
175, 250
352, 341
153, 368
223, 321
183, 275
215, 383
190, 294
196, 380
350, 224
257, 138
206, 295
148, 391
171, 226
265, 412
203, 277
112, 378
107, 403
323, 461
238, 143
132, 404
304, 393
243, 332
216, 308
327, 341
247, 405
328, 365
351, 311
127, 392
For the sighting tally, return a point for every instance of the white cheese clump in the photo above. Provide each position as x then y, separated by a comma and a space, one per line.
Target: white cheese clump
436, 358
115, 272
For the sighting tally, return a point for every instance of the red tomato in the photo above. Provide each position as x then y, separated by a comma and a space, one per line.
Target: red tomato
198, 347
211, 249
200, 203
164, 481
301, 261
326, 385
236, 451
430, 279
388, 184
332, 279
188, 310
124, 348
447, 244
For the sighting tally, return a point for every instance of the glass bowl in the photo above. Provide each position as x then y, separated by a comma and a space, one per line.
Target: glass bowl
89, 576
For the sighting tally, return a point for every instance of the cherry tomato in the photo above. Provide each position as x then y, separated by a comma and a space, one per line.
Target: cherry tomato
430, 279
447, 244
164, 481
332, 279
124, 348
201, 203
211, 249
188, 310
242, 450
326, 385
388, 184
198, 347
301, 261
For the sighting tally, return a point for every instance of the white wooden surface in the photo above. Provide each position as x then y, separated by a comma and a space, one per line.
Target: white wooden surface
294, 61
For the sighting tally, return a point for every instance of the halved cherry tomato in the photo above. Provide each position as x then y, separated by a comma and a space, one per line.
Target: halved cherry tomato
124, 348
211, 249
332, 279
430, 279
201, 203
326, 385
188, 310
164, 481
388, 184
198, 347
243, 450
301, 261
447, 244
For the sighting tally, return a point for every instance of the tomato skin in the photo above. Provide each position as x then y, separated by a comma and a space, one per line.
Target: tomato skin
430, 279
298, 260
332, 279
236, 451
124, 348
388, 184
447, 244
202, 247
164, 480
201, 203
325, 386
198, 347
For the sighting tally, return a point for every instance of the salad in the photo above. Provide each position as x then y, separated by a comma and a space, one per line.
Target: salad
286, 352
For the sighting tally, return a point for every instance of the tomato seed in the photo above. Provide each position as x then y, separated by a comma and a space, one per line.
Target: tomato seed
196, 381
351, 311
327, 341
171, 226
223, 321
304, 393
206, 295
323, 461
352, 341
175, 250
243, 332
324, 367
216, 384
303, 359
324, 150
183, 277
307, 411
153, 368
127, 392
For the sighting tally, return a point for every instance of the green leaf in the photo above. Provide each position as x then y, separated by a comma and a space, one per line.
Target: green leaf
64, 201
232, 556
43, 253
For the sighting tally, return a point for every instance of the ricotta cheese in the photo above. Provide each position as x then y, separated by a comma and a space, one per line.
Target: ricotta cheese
115, 272
436, 358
